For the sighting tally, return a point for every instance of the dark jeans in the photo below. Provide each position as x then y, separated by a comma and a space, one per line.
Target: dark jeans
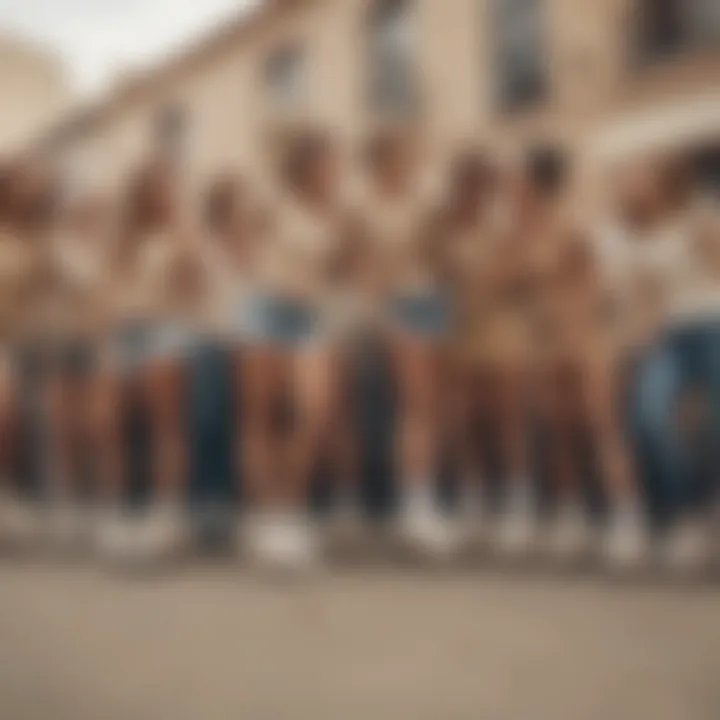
678, 462
216, 476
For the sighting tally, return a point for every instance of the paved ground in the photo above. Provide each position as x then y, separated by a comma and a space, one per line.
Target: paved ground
214, 644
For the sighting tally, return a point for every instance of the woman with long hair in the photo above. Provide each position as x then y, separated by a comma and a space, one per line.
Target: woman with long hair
289, 366
580, 373
400, 220
153, 280
525, 210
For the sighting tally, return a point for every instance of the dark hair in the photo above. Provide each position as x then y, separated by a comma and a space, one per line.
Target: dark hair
546, 168
32, 210
675, 178
472, 174
7, 176
220, 200
472, 169
302, 153
381, 147
706, 168
137, 210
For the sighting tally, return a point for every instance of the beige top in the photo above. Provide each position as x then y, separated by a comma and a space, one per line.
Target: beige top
78, 299
395, 228
160, 282
647, 275
223, 290
299, 260
469, 255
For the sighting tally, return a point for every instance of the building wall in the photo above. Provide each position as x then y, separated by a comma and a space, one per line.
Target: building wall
33, 90
593, 86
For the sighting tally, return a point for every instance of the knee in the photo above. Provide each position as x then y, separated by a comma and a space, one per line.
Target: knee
106, 415
257, 416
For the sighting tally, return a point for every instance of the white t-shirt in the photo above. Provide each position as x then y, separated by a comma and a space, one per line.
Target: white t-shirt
647, 272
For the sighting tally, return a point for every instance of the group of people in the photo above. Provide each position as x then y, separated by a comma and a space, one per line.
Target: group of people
501, 310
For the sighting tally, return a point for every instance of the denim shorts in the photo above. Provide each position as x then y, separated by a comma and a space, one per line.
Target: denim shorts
74, 358
276, 321
427, 315
136, 344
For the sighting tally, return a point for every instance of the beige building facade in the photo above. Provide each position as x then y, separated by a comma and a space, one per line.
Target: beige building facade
34, 90
602, 77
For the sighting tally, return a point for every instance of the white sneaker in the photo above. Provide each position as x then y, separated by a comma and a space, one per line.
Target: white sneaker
517, 526
570, 534
283, 542
19, 522
115, 536
426, 530
687, 547
162, 534
625, 543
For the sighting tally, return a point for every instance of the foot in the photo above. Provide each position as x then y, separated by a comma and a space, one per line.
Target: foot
284, 542
570, 534
115, 535
517, 526
425, 529
626, 543
163, 533
687, 547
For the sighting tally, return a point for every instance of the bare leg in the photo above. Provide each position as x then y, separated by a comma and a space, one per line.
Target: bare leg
602, 395
560, 414
512, 386
626, 541
517, 528
315, 392
459, 432
343, 438
165, 384
416, 373
8, 424
107, 412
259, 378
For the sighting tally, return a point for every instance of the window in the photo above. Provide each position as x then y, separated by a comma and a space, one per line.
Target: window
669, 27
392, 75
520, 57
285, 76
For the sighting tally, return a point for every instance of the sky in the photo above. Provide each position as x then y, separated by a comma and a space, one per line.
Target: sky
101, 40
